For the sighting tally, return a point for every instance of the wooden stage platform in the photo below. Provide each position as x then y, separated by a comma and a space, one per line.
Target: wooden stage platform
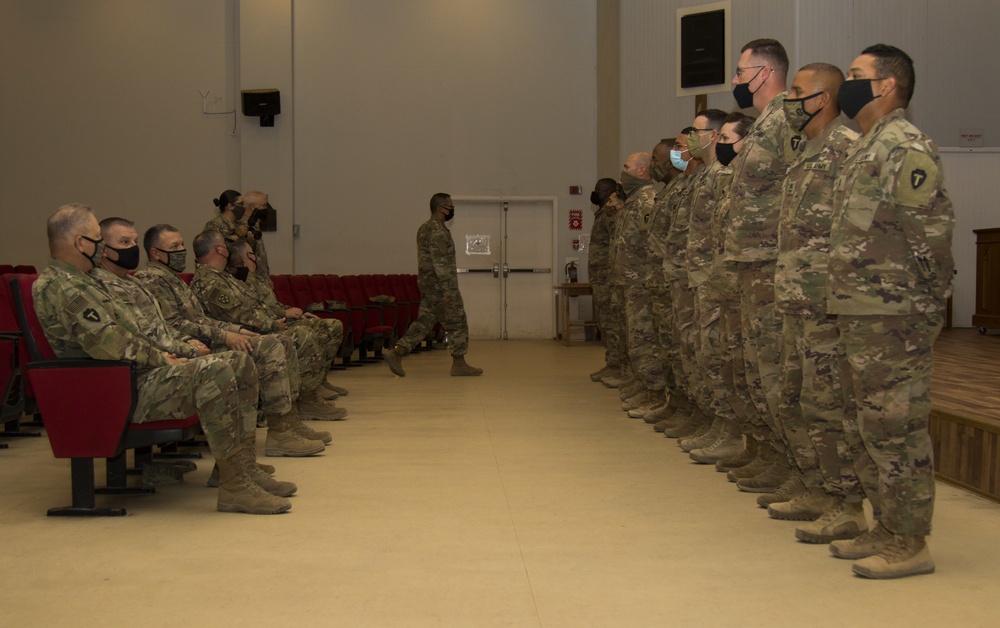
965, 417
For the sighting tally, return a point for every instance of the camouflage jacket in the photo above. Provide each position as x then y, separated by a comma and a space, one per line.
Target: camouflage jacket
659, 226
265, 296
675, 259
179, 306
628, 253
701, 243
143, 308
758, 172
228, 299
599, 257
804, 226
890, 243
436, 267
228, 231
81, 319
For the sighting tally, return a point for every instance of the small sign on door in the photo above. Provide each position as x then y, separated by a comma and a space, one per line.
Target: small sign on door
477, 245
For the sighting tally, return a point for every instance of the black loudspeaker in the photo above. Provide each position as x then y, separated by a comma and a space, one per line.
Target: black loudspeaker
703, 49
265, 103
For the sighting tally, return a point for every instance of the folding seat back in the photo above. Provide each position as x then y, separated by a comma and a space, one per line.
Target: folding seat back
6, 269
25, 269
301, 293
282, 289
187, 277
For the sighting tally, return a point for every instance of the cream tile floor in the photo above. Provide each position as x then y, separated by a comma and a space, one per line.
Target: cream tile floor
524, 497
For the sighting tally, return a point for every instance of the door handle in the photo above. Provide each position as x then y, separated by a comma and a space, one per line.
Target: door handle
506, 270
496, 271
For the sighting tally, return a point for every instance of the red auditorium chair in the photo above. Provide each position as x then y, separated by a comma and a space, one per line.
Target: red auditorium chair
13, 352
6, 269
356, 316
321, 293
187, 277
282, 289
25, 269
87, 406
390, 310
376, 332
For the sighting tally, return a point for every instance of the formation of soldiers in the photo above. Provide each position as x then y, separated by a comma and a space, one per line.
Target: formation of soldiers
224, 348
773, 306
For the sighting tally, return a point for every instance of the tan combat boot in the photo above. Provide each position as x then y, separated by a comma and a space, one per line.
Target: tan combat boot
868, 544
704, 439
282, 441
809, 505
239, 493
747, 455
312, 407
394, 359
296, 425
792, 487
763, 459
903, 556
213, 478
770, 479
845, 521
265, 481
460, 369
728, 444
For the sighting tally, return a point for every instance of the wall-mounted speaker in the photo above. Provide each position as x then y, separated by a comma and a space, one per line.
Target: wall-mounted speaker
262, 103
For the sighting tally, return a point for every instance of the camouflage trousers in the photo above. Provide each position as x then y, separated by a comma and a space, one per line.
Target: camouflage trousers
278, 381
602, 314
663, 323
617, 334
732, 364
885, 371
761, 328
687, 337
642, 337
708, 324
312, 356
329, 332
811, 410
443, 306
221, 388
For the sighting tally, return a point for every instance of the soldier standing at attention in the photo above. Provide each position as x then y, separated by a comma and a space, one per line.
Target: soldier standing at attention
597, 272
81, 319
440, 299
890, 274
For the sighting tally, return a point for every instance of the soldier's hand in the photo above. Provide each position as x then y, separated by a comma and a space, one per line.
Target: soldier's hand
199, 346
247, 332
238, 342
293, 312
173, 360
309, 315
282, 325
241, 230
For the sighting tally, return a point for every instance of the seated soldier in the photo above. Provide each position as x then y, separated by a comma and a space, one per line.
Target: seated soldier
242, 264
274, 356
81, 319
227, 299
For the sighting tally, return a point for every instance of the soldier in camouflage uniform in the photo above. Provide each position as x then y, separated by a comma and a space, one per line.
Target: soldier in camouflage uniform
629, 260
724, 438
811, 404
274, 357
227, 299
328, 331
890, 274
751, 241
236, 211
597, 271
257, 205
440, 299
81, 319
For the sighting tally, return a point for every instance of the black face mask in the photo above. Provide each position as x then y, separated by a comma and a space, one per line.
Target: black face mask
796, 114
127, 258
176, 260
595, 198
742, 93
239, 211
854, 95
725, 153
450, 215
95, 257
241, 273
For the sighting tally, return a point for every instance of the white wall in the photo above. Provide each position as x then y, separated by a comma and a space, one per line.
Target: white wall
397, 100
99, 104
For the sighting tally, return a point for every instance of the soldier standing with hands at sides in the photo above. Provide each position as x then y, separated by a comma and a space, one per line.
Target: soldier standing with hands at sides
440, 299
890, 275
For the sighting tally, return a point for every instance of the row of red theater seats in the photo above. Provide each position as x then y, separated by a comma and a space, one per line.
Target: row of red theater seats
20, 269
368, 325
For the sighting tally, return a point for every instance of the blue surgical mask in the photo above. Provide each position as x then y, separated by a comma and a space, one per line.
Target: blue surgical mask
678, 162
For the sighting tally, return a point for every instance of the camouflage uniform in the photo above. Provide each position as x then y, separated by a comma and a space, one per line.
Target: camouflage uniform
81, 319
440, 299
631, 259
598, 261
228, 231
328, 331
228, 299
811, 405
751, 241
890, 274
700, 257
277, 365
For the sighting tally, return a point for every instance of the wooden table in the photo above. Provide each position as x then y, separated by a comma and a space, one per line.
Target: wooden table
563, 293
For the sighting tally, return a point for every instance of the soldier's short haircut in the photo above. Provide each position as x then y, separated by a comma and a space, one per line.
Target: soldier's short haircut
891, 61
65, 221
828, 76
771, 52
742, 121
236, 248
714, 118
438, 200
151, 239
605, 188
205, 241
115, 221
642, 159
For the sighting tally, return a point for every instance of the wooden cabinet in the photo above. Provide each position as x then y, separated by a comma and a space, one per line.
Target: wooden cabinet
987, 314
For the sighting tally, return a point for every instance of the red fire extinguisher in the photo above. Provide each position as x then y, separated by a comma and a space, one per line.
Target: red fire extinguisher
571, 276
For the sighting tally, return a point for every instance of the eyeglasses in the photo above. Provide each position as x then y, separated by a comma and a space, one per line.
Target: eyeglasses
740, 71
694, 131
